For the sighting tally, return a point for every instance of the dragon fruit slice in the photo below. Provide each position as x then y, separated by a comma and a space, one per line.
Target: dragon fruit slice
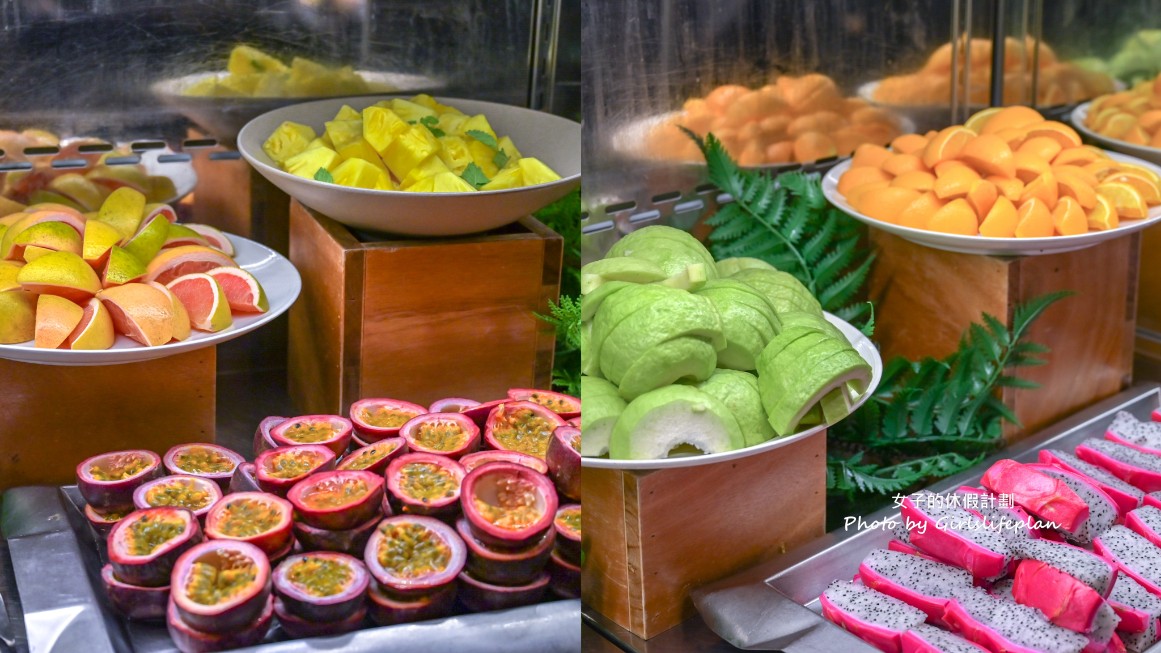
1137, 608
1003, 589
1126, 496
1066, 601
1128, 430
1140, 642
876, 618
1048, 498
929, 639
954, 535
1102, 510
1152, 499
1146, 522
1133, 555
918, 582
1011, 522
1138, 468
1092, 570
1002, 625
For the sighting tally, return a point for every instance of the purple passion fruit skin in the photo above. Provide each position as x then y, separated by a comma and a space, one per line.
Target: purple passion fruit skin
505, 567
576, 421
508, 505
388, 609
413, 555
479, 413
374, 457
103, 523
452, 405
244, 479
321, 586
479, 596
378, 418
521, 426
194, 493
132, 601
145, 545
297, 627
425, 484
564, 405
257, 518
351, 541
444, 434
262, 439
210, 461
191, 640
567, 525
564, 461
331, 431
566, 577
337, 500
107, 481
277, 470
221, 586
474, 460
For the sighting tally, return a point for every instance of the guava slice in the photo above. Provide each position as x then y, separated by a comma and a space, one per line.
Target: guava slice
794, 381
739, 392
672, 249
680, 359
693, 277
589, 363
602, 406
728, 267
683, 314
618, 304
591, 303
748, 322
661, 420
785, 292
619, 268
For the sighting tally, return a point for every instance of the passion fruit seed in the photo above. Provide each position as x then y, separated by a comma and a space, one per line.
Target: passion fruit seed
524, 431
427, 481
150, 532
291, 465
369, 457
570, 520
178, 494
247, 518
118, 468
575, 442
555, 404
114, 516
335, 492
515, 505
309, 432
319, 576
203, 460
210, 585
412, 550
386, 418
440, 435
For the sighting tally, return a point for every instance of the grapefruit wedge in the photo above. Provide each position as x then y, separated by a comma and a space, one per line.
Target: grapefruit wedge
122, 268
181, 326
204, 299
243, 291
123, 210
17, 316
141, 312
214, 237
56, 318
8, 243
60, 273
99, 238
187, 259
95, 330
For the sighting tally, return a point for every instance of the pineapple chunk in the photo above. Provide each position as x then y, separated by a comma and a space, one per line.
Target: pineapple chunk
452, 124
483, 156
239, 84
410, 111
348, 82
409, 149
453, 151
479, 123
344, 132
535, 172
509, 148
426, 100
429, 167
245, 60
444, 182
272, 85
505, 179
306, 164
289, 139
361, 149
205, 87
321, 141
347, 113
361, 174
381, 125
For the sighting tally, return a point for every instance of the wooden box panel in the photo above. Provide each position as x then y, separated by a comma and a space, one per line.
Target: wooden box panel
926, 298
652, 537
419, 319
233, 197
53, 417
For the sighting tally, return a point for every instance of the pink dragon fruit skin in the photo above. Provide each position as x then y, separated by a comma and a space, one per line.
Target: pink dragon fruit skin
1140, 642
1126, 496
1132, 555
1135, 467
972, 546
1116, 645
1129, 431
1102, 510
1066, 601
1046, 497
1002, 625
1152, 499
1004, 519
876, 618
1136, 607
929, 639
919, 582
1156, 415
1093, 570
1146, 522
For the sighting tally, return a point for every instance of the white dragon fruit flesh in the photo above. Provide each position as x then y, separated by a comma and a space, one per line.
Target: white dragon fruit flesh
1064, 600
1132, 431
1044, 496
1102, 510
954, 535
1135, 467
872, 616
1090, 569
1002, 625
1134, 604
1146, 522
925, 638
1140, 642
1003, 589
1132, 554
1126, 496
919, 582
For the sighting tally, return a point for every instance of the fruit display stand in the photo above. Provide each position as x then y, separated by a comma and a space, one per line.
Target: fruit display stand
425, 319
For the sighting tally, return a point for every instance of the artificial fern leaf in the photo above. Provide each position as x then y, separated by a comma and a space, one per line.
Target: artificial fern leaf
1025, 313
841, 291
815, 246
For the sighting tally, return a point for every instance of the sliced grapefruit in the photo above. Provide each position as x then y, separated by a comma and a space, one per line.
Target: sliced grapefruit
243, 291
215, 237
60, 273
8, 272
181, 326
122, 268
204, 300
147, 242
153, 210
56, 318
95, 330
180, 234
55, 236
7, 244
188, 259
123, 209
17, 316
99, 238
141, 312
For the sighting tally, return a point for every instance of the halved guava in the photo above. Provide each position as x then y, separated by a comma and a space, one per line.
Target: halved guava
591, 302
655, 423
728, 267
785, 293
674, 250
749, 321
681, 359
794, 377
739, 392
679, 314
619, 268
602, 406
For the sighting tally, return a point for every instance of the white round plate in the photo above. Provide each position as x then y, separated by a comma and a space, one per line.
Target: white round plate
860, 342
554, 140
992, 246
1080, 113
276, 274
181, 173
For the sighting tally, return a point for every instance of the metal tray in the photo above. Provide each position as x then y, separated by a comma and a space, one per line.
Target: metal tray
56, 560
775, 606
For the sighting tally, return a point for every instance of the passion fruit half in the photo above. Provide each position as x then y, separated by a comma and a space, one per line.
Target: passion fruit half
425, 484
295, 626
192, 640
508, 505
388, 609
567, 525
107, 481
411, 555
134, 601
375, 456
244, 479
479, 413
564, 461
564, 405
446, 434
337, 500
321, 586
104, 522
521, 426
480, 596
351, 540
378, 418
474, 460
331, 431
576, 421
507, 567
452, 405
194, 493
211, 461
262, 439
277, 470
257, 518
221, 586
566, 577
146, 544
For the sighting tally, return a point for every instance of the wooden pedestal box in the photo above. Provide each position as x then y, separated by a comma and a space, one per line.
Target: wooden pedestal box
52, 417
925, 299
652, 537
233, 197
419, 319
